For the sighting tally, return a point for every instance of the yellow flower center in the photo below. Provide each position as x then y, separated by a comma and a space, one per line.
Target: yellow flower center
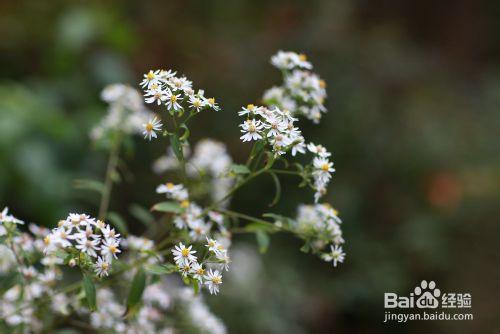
60, 223
150, 75
302, 57
173, 98
154, 86
185, 204
46, 240
169, 185
200, 271
216, 280
197, 103
325, 167
113, 249
250, 107
149, 127
185, 252
335, 212
322, 83
211, 101
105, 265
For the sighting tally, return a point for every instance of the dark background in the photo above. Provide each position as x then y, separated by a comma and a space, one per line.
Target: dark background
413, 123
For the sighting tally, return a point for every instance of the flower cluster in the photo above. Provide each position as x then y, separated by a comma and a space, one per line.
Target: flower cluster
209, 163
322, 169
273, 125
89, 242
191, 216
302, 92
126, 113
5, 217
189, 266
320, 225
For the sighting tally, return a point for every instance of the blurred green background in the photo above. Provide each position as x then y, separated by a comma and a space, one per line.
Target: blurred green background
413, 123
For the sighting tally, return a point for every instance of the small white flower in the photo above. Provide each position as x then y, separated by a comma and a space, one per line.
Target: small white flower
177, 192
151, 127
197, 271
173, 101
197, 102
251, 128
88, 246
212, 104
213, 279
319, 150
150, 78
323, 168
336, 255
109, 233
6, 218
101, 267
213, 245
183, 255
156, 95
109, 249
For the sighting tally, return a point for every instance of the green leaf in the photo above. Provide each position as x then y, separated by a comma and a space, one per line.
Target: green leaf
136, 289
89, 185
90, 293
142, 215
158, 269
239, 169
167, 207
263, 240
118, 222
277, 184
176, 146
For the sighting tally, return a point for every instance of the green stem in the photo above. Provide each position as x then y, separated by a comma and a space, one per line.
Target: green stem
108, 182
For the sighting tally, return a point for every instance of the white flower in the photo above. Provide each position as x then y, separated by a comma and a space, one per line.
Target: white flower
212, 104
151, 127
323, 168
88, 246
319, 150
251, 128
156, 95
276, 125
196, 102
224, 258
336, 255
250, 110
298, 145
177, 192
214, 246
150, 78
6, 218
173, 101
109, 249
183, 255
101, 267
213, 279
109, 233
198, 229
61, 237
197, 271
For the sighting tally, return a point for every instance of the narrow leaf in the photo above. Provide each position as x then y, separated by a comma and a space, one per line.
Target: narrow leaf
157, 269
90, 293
89, 185
118, 222
142, 215
167, 207
136, 289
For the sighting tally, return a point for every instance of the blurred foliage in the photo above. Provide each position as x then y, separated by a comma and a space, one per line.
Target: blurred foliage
414, 91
